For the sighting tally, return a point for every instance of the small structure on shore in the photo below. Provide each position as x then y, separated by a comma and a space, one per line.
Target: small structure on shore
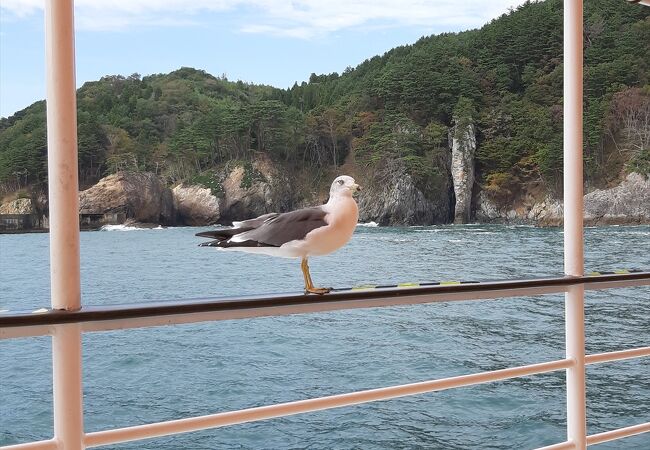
20, 223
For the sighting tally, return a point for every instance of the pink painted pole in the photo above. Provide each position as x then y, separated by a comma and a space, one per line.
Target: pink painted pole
62, 155
573, 223
64, 220
67, 387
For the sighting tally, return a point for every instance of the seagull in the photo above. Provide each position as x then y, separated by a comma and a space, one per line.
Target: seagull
314, 231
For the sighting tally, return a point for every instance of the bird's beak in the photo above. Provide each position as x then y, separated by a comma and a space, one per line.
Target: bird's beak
355, 188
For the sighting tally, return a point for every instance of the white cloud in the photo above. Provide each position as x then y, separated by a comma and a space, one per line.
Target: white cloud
292, 18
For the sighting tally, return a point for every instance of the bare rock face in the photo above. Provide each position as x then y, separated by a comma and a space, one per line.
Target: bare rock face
544, 212
252, 190
463, 139
18, 206
486, 209
547, 213
627, 203
398, 201
195, 205
141, 197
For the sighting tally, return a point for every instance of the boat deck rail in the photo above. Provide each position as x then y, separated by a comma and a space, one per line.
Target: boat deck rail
102, 318
68, 320
105, 317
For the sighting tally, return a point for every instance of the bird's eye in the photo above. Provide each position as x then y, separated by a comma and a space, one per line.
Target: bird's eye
341, 182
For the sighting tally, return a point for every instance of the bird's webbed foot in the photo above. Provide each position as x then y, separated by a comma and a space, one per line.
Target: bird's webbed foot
317, 290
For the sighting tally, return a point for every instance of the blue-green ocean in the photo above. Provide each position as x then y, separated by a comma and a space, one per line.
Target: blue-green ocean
146, 375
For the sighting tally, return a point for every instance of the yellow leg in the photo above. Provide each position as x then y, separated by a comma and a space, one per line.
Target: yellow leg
309, 284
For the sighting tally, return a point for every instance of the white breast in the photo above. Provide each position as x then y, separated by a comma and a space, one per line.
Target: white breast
342, 218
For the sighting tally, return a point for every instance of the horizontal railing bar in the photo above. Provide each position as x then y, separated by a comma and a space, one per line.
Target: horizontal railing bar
192, 311
158, 429
619, 433
314, 305
50, 444
566, 445
26, 331
342, 298
617, 355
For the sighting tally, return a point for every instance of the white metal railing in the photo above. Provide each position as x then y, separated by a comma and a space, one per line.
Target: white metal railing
65, 285
43, 322
276, 306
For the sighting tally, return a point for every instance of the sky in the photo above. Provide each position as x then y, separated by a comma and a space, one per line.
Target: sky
275, 42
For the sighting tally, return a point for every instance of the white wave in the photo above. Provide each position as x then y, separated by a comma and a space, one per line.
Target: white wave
368, 224
119, 228
512, 227
123, 227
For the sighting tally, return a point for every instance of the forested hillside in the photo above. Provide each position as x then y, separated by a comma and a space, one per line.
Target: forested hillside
392, 111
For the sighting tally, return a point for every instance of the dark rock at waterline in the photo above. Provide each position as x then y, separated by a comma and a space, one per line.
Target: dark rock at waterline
396, 200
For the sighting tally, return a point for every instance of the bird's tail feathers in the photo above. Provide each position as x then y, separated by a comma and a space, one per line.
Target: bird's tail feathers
225, 243
221, 233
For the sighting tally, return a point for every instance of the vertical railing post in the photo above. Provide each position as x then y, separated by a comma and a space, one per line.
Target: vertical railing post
63, 179
573, 222
67, 387
63, 199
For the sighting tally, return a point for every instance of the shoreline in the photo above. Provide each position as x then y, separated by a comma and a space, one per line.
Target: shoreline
150, 226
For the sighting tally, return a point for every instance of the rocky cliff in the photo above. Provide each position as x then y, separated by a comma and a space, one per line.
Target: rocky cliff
236, 192
253, 189
141, 197
627, 203
391, 198
18, 206
463, 148
196, 205
395, 199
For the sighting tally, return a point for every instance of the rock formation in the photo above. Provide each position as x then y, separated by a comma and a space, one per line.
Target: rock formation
627, 203
544, 212
195, 205
18, 206
396, 200
141, 197
463, 148
391, 197
245, 195
252, 190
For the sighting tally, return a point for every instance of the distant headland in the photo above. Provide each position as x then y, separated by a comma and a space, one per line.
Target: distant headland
457, 127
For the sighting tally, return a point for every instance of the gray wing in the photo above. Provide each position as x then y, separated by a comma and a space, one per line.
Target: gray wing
225, 233
285, 227
254, 223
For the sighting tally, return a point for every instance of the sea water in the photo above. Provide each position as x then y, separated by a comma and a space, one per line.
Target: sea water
146, 375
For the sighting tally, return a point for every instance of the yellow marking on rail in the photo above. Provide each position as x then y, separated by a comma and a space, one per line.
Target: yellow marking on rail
364, 287
408, 285
444, 283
